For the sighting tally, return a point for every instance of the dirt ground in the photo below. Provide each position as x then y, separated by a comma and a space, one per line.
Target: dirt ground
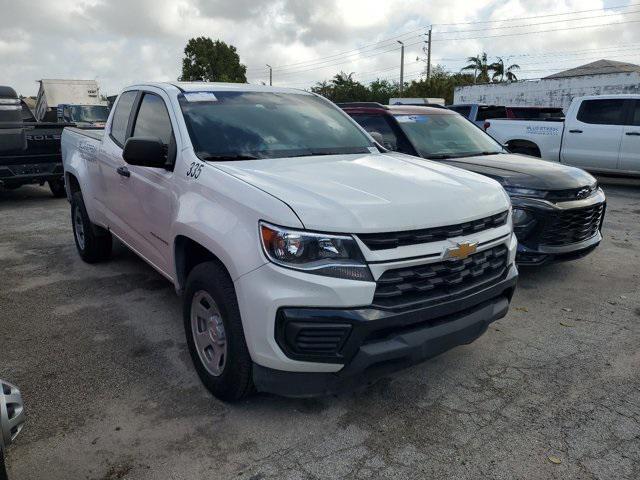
552, 391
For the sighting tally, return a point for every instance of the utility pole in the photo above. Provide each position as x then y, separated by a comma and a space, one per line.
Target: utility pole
270, 74
429, 54
401, 65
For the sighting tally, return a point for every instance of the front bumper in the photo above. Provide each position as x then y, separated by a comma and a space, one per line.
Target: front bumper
537, 245
380, 342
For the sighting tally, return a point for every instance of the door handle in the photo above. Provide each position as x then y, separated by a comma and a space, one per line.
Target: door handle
575, 131
637, 134
124, 171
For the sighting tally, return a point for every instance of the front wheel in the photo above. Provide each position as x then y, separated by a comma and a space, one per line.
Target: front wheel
214, 332
93, 242
57, 188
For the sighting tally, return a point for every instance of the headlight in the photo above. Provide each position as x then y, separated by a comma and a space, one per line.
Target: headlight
525, 192
521, 217
318, 253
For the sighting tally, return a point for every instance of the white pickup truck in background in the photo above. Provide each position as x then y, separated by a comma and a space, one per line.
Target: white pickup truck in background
600, 134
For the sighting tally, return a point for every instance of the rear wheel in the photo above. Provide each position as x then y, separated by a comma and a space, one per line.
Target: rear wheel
214, 333
93, 242
57, 188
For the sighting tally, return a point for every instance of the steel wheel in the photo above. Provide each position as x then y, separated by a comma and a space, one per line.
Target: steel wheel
78, 227
208, 333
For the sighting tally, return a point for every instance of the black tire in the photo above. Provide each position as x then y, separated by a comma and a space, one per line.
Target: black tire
57, 188
235, 380
95, 245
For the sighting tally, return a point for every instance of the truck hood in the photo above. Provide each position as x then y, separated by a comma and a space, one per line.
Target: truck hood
523, 171
372, 192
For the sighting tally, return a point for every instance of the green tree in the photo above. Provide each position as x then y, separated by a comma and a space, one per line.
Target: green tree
209, 61
481, 67
499, 71
342, 88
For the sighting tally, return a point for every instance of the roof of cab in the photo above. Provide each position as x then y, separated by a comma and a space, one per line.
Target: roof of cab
219, 87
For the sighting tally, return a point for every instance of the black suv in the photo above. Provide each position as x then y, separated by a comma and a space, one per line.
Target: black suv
557, 210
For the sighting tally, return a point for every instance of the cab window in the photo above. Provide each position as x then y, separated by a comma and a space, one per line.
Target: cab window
121, 117
602, 112
153, 119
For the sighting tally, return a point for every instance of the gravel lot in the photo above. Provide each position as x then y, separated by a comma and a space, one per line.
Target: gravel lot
551, 391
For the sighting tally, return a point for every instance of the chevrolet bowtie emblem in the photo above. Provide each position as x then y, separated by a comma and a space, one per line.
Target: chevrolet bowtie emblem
463, 250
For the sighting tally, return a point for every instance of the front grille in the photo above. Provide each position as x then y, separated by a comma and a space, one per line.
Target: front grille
572, 226
381, 241
435, 282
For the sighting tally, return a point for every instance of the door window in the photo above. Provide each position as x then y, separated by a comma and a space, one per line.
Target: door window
602, 112
121, 117
491, 111
377, 123
153, 119
462, 110
635, 120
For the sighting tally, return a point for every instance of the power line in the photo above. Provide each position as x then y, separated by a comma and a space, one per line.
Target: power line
538, 23
617, 7
310, 62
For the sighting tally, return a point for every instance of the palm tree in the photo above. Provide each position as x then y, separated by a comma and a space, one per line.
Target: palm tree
500, 71
480, 66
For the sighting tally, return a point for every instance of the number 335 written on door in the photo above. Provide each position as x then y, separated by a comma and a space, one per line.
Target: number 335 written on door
194, 170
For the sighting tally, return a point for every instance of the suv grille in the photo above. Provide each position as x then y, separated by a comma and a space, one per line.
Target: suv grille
381, 241
573, 226
405, 287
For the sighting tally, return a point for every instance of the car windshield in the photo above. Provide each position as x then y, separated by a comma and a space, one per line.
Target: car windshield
445, 136
241, 125
89, 113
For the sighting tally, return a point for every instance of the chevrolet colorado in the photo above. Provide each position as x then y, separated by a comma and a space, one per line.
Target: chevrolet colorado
557, 210
309, 259
600, 133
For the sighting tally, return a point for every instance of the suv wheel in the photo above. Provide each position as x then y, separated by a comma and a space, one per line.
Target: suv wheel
93, 242
214, 333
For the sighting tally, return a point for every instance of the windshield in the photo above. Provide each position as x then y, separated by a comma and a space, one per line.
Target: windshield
89, 113
446, 136
237, 125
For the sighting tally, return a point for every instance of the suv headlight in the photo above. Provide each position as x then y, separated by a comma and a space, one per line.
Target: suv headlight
318, 253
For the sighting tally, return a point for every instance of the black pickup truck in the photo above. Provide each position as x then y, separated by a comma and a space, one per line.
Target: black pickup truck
29, 150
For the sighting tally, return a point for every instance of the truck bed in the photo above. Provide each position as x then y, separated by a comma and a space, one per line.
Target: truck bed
95, 133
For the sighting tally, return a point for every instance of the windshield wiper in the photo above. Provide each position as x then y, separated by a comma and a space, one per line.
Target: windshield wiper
230, 157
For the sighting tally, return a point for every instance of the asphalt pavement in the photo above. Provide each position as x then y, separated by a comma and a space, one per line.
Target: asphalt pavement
552, 391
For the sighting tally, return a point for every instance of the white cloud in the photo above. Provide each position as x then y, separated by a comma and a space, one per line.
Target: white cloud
124, 41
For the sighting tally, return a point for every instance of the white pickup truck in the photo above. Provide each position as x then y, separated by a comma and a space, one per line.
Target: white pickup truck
309, 258
600, 134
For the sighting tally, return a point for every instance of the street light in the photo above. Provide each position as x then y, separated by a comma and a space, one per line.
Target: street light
270, 74
401, 65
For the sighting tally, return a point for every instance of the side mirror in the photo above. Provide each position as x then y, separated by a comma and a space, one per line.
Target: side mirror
145, 152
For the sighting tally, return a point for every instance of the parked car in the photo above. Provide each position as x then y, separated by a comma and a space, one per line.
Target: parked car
308, 260
29, 150
600, 134
11, 419
481, 114
557, 210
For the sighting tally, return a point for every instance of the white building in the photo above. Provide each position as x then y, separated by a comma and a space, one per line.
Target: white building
557, 90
